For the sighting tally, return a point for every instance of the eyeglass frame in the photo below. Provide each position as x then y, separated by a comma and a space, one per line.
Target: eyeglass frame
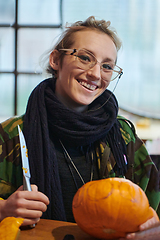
77, 50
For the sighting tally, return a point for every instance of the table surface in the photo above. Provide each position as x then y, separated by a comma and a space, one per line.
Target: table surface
53, 230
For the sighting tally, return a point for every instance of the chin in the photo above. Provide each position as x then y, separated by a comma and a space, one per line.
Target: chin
85, 102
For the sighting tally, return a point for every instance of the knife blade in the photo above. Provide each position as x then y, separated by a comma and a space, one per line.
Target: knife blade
25, 164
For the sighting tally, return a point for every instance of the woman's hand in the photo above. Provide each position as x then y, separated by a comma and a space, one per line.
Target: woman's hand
148, 234
150, 230
25, 204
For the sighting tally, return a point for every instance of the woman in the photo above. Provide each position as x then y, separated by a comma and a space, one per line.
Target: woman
72, 130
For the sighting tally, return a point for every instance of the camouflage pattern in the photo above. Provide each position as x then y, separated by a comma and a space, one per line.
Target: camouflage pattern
10, 160
141, 169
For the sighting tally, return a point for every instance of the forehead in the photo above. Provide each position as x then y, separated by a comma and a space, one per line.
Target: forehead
99, 43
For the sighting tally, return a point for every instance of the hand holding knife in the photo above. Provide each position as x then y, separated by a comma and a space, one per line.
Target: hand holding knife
25, 163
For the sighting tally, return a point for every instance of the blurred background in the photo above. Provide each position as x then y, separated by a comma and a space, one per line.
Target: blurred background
30, 28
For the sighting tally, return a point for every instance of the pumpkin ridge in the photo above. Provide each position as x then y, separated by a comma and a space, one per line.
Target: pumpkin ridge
92, 198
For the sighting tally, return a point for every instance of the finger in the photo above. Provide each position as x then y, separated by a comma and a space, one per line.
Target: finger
20, 188
27, 213
149, 223
33, 195
150, 234
34, 187
28, 222
31, 205
130, 236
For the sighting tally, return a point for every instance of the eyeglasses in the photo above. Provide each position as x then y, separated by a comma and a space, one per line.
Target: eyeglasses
86, 60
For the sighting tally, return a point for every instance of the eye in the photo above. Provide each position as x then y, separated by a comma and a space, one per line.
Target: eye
106, 66
84, 58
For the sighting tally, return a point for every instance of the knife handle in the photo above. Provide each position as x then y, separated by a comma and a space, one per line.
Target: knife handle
27, 186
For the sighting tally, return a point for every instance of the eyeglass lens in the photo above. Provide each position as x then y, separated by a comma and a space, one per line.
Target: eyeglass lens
86, 61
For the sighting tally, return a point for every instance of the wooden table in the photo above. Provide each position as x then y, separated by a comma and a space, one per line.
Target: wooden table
53, 230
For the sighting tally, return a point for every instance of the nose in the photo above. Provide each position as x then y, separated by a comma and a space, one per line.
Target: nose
95, 72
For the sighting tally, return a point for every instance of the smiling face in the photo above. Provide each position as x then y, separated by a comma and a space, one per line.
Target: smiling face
77, 88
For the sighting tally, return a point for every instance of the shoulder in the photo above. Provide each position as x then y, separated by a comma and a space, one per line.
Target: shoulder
127, 129
8, 128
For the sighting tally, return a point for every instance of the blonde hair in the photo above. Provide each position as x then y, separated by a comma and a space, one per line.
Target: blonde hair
66, 40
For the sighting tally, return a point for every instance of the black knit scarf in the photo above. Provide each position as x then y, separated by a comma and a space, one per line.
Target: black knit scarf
47, 118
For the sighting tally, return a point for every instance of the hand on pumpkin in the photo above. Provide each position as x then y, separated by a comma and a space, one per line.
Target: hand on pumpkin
149, 230
24, 204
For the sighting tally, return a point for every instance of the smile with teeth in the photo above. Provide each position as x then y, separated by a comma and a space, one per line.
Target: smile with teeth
88, 86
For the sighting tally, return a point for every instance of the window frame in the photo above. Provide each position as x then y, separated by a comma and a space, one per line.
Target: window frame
16, 26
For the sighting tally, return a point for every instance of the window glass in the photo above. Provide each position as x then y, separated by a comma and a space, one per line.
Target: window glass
33, 43
6, 49
6, 95
26, 83
138, 25
39, 12
7, 11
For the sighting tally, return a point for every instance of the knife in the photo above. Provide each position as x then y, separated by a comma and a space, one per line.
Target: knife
25, 163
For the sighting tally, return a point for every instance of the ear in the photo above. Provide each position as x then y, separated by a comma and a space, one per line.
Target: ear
54, 60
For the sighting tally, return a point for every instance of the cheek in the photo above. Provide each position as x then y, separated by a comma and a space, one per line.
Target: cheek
104, 85
63, 74
67, 72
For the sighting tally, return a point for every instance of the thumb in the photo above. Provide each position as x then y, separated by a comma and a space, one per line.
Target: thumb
34, 187
20, 188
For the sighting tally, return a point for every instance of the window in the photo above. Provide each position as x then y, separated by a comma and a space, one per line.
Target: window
27, 30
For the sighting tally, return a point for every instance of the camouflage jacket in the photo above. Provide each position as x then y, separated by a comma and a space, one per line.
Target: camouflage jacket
141, 169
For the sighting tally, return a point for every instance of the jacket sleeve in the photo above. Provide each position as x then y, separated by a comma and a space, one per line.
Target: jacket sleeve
141, 169
10, 160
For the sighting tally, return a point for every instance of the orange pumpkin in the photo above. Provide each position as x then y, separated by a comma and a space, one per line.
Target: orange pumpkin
9, 228
110, 208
